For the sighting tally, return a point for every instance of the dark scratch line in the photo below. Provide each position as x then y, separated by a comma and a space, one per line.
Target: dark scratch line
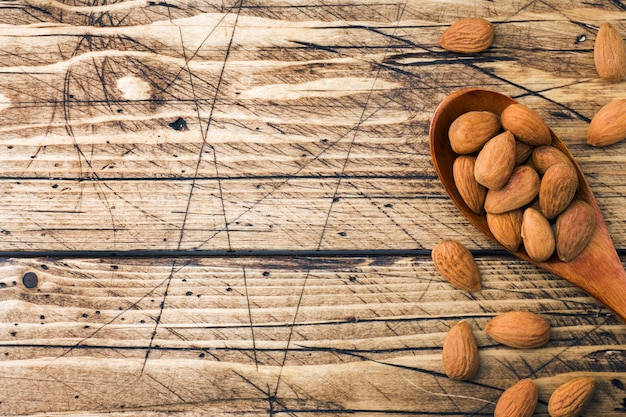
355, 131
245, 284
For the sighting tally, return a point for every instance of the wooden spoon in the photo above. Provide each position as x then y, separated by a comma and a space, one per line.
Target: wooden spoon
598, 269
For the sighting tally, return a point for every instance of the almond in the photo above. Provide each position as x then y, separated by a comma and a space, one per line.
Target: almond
507, 228
472, 193
537, 235
495, 161
460, 353
470, 131
608, 126
457, 265
557, 189
609, 53
519, 329
543, 157
519, 400
574, 229
571, 399
522, 152
526, 125
521, 188
467, 36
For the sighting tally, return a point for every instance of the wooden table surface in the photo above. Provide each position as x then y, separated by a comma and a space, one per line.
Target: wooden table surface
227, 207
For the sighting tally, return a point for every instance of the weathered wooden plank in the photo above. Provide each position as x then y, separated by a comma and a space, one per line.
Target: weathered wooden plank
274, 335
288, 214
273, 95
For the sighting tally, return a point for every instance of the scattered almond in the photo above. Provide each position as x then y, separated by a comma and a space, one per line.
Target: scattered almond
460, 353
574, 229
519, 400
521, 188
472, 193
470, 131
609, 53
571, 399
526, 125
507, 228
608, 126
537, 236
468, 36
457, 265
519, 329
557, 189
495, 161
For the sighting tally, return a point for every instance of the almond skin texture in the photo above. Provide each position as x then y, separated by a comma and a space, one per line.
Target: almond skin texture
468, 36
526, 125
507, 228
571, 399
457, 265
495, 161
608, 126
557, 189
519, 400
460, 353
543, 157
519, 329
537, 236
522, 152
574, 228
521, 188
609, 53
470, 131
472, 193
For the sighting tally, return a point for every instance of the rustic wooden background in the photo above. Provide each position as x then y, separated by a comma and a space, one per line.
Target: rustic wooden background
229, 206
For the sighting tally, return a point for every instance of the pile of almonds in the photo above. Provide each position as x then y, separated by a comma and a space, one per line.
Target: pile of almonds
508, 171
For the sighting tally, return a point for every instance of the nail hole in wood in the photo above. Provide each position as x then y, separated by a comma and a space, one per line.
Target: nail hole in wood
30, 280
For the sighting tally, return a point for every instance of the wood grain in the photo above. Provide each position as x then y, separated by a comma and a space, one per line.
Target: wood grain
283, 335
229, 206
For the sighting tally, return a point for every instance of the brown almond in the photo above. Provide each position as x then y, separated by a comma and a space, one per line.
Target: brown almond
522, 152
456, 264
521, 188
571, 398
470, 131
460, 353
519, 400
608, 126
537, 236
519, 329
557, 189
495, 161
526, 125
543, 157
507, 228
472, 193
468, 36
574, 229
609, 53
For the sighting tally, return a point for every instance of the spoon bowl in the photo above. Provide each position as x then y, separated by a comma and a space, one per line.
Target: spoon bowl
598, 269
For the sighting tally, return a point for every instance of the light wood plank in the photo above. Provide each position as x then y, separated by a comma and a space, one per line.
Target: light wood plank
314, 335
